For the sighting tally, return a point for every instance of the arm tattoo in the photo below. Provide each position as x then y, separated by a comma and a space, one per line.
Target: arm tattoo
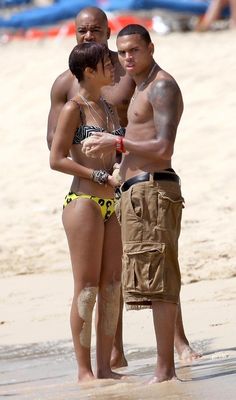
166, 100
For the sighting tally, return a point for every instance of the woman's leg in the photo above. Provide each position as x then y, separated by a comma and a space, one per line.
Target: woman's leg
212, 14
232, 4
108, 298
84, 228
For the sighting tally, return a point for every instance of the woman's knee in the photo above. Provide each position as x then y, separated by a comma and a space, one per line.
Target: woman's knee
109, 287
85, 304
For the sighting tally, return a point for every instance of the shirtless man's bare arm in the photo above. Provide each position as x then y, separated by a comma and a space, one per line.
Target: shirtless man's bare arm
165, 99
59, 96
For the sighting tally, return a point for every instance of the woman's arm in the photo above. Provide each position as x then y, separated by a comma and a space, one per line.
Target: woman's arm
69, 120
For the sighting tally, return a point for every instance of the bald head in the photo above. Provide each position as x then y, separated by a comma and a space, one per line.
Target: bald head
92, 26
93, 12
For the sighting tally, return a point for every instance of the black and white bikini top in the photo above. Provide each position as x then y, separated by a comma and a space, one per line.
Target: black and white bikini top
85, 131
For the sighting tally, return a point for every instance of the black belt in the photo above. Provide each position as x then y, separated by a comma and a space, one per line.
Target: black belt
157, 176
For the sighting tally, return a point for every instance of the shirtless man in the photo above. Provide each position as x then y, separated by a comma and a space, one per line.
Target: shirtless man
151, 199
92, 25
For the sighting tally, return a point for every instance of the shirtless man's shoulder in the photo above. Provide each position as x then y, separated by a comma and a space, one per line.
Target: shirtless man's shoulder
164, 80
63, 86
164, 90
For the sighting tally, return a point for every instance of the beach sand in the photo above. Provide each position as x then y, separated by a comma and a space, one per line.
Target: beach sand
37, 360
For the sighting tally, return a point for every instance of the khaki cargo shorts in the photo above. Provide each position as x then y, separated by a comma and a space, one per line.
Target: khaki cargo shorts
150, 216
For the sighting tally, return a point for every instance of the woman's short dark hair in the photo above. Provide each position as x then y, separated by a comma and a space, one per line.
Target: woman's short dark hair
135, 29
86, 55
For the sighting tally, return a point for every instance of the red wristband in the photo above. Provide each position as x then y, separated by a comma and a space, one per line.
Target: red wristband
120, 145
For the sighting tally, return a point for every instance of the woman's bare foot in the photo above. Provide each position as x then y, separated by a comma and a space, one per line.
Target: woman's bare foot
118, 359
85, 377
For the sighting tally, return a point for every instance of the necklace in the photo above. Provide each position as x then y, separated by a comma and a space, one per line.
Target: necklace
92, 110
143, 84
109, 115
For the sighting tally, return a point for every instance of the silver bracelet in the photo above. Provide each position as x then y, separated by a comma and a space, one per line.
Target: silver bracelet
100, 176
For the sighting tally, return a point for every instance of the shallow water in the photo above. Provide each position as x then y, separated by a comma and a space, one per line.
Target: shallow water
48, 371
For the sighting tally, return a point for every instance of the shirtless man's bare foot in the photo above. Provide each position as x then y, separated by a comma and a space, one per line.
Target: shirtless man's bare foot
156, 379
109, 374
118, 359
182, 346
186, 352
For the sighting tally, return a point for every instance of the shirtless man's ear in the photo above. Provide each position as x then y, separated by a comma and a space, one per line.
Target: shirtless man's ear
151, 48
108, 32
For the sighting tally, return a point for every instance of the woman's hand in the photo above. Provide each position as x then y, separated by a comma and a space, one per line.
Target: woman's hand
98, 144
115, 180
112, 181
116, 174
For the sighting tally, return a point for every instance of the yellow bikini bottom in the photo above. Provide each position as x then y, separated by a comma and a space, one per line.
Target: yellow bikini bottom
107, 206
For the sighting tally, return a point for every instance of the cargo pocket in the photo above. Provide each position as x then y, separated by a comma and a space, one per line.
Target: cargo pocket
143, 269
136, 198
170, 206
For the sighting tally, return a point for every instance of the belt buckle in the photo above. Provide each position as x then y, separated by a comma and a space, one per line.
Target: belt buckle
151, 176
118, 190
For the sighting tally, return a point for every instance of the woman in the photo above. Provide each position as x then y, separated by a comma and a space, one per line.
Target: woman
89, 220
215, 11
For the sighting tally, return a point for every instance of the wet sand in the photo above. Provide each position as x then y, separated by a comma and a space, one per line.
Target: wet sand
37, 359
